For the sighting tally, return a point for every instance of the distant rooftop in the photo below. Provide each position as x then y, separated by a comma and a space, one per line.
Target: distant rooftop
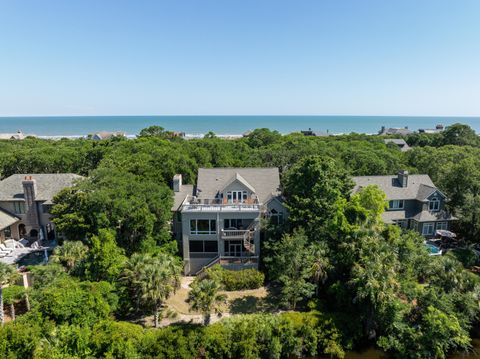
48, 185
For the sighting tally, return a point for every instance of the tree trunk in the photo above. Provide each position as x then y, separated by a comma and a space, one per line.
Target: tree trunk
2, 319
12, 311
27, 302
206, 320
157, 315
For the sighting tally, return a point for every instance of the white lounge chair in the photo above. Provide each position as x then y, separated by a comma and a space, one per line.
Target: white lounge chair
3, 248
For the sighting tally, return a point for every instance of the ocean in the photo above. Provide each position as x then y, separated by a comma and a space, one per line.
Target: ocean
193, 126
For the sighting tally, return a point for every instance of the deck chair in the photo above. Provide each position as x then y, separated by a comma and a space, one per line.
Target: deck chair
3, 248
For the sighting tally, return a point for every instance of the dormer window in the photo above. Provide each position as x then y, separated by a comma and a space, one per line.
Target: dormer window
236, 196
396, 204
434, 204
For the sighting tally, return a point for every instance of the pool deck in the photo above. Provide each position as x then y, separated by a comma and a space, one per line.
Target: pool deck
18, 253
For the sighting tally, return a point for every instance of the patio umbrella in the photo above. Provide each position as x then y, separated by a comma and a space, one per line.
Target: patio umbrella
445, 233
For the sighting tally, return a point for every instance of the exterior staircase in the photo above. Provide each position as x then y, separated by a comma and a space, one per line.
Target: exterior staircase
249, 237
201, 272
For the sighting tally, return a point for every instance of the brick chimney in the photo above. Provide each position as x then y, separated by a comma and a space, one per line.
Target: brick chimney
31, 210
403, 178
177, 183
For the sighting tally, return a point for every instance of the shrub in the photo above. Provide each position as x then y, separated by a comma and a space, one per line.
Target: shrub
236, 280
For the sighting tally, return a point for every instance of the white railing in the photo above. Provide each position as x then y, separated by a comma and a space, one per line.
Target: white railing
233, 233
193, 204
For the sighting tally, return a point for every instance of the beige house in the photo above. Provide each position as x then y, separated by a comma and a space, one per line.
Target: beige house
25, 202
219, 219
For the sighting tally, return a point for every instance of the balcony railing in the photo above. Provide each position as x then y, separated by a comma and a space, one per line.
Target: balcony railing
193, 204
233, 233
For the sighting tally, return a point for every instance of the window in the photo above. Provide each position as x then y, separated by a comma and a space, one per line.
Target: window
434, 205
276, 217
442, 225
47, 208
402, 223
236, 196
203, 246
7, 232
196, 246
396, 204
203, 226
210, 246
427, 229
19, 207
233, 223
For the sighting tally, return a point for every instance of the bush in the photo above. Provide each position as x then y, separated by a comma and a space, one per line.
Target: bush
236, 280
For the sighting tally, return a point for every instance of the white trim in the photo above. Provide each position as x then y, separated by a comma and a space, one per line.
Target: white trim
441, 225
396, 204
436, 206
426, 225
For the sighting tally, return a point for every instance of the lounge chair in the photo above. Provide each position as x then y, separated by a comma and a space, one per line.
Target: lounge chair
3, 248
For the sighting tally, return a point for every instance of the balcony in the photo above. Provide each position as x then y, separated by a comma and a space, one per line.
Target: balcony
193, 204
234, 233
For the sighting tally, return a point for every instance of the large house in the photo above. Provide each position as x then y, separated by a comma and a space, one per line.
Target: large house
218, 219
25, 203
394, 131
413, 202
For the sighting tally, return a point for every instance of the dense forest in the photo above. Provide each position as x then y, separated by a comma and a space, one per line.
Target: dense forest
341, 277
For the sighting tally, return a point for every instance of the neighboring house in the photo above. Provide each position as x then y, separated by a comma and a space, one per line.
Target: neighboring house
218, 220
401, 144
394, 131
413, 202
19, 135
437, 129
309, 132
104, 135
25, 202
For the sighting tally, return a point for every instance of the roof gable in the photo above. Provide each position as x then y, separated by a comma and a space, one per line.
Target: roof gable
264, 181
241, 180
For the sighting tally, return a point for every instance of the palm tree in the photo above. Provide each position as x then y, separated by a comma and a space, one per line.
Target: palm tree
204, 298
320, 265
152, 279
7, 272
70, 253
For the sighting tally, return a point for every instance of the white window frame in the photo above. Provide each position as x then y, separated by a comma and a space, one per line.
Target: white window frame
426, 225
396, 204
436, 205
442, 225
212, 227
237, 196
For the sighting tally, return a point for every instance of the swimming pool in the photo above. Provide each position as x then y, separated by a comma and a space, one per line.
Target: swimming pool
33, 258
433, 249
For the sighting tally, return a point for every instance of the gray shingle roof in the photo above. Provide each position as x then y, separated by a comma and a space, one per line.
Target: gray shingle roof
427, 216
178, 197
395, 131
265, 181
6, 219
399, 142
48, 185
417, 184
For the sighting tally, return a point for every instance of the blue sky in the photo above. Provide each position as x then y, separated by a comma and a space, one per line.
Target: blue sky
360, 57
